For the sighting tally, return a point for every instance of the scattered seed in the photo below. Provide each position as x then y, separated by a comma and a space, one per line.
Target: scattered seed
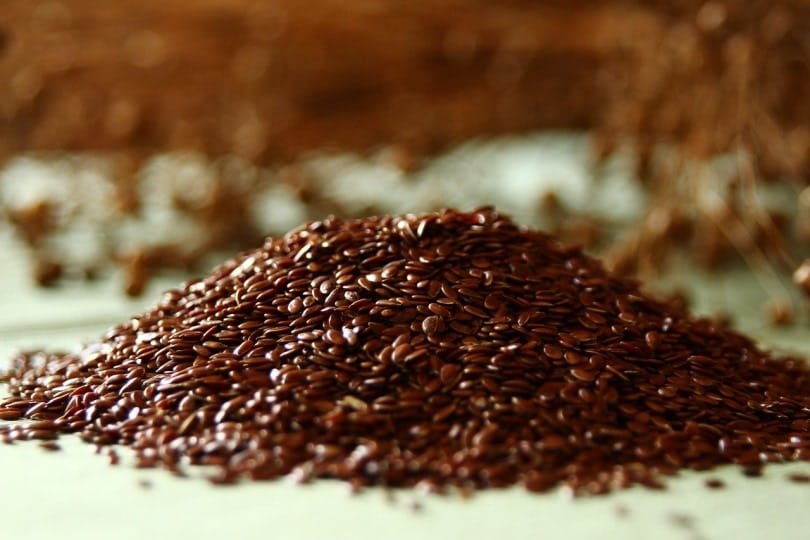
799, 478
50, 446
715, 483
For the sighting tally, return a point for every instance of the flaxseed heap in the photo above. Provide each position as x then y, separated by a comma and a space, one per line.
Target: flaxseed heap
447, 349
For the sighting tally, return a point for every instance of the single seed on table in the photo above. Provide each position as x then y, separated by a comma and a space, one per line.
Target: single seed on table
715, 483
50, 446
799, 478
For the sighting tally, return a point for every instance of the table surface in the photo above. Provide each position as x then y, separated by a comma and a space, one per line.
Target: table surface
74, 493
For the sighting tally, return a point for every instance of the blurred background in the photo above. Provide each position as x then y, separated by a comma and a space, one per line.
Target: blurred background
146, 138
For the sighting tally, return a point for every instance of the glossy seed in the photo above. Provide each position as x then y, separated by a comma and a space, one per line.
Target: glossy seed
449, 372
432, 325
552, 351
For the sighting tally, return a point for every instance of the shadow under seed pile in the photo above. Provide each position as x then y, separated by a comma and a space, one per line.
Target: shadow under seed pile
447, 349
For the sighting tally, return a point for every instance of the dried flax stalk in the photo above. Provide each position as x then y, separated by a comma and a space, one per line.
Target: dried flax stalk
270, 81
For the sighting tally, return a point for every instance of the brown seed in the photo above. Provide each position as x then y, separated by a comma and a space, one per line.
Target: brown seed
573, 358
492, 302
10, 414
440, 310
449, 291
552, 351
244, 348
432, 325
41, 434
715, 483
539, 482
780, 312
448, 373
50, 446
584, 374
799, 478
653, 339
444, 413
752, 471
475, 311
553, 442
